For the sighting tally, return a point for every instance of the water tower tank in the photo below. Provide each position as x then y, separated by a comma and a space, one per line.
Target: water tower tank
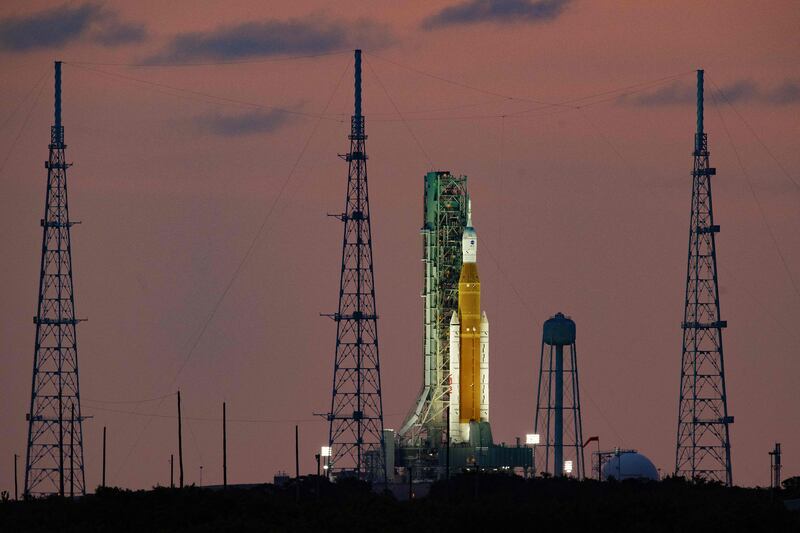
559, 331
629, 464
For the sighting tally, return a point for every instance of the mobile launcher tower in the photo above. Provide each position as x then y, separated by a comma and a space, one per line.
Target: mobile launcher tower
452, 410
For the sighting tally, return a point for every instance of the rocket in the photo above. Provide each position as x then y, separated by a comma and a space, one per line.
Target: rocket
469, 345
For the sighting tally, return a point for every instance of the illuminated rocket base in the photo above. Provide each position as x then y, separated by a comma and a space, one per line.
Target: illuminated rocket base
469, 351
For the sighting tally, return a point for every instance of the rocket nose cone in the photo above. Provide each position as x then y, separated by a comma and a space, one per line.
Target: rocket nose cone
454, 318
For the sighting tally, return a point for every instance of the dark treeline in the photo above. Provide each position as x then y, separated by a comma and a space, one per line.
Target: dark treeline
489, 503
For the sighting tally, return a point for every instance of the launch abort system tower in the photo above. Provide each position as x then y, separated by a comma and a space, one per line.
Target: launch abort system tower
703, 444
558, 408
444, 221
356, 416
54, 461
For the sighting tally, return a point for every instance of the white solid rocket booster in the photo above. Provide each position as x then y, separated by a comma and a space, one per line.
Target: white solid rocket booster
484, 368
455, 382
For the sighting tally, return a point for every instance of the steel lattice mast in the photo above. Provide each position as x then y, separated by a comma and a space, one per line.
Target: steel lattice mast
703, 442
356, 415
54, 463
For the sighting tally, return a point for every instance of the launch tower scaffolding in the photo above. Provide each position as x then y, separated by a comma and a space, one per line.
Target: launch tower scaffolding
444, 220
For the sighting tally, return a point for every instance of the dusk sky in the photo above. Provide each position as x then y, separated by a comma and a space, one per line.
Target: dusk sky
204, 137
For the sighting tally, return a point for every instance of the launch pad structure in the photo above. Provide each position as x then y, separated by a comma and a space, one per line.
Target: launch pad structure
437, 436
444, 220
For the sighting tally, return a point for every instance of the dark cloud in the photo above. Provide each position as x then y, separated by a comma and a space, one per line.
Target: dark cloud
740, 91
786, 93
48, 28
273, 37
674, 93
243, 123
116, 32
684, 93
508, 11
64, 24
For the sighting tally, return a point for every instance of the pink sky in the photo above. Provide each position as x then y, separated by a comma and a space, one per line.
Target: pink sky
583, 211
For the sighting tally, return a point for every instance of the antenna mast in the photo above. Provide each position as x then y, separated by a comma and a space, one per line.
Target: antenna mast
55, 436
703, 441
356, 414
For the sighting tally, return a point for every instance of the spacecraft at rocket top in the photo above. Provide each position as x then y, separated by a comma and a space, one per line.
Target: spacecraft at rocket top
469, 345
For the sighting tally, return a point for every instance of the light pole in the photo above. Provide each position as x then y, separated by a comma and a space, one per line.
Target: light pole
531, 440
325, 453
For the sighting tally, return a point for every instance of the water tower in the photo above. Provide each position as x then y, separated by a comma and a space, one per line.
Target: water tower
558, 404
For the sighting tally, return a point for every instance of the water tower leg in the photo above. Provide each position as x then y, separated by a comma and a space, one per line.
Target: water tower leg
558, 443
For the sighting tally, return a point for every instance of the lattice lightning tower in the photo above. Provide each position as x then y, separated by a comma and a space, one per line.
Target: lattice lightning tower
54, 463
356, 415
703, 443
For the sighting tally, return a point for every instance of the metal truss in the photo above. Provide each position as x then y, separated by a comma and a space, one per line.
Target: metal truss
54, 461
445, 217
703, 439
356, 414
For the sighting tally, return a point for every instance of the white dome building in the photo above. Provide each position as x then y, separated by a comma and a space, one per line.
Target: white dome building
629, 464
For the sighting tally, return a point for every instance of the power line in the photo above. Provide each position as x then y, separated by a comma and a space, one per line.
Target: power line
216, 99
763, 307
24, 123
568, 104
753, 131
213, 63
128, 401
244, 259
216, 419
757, 201
464, 85
530, 112
408, 127
24, 99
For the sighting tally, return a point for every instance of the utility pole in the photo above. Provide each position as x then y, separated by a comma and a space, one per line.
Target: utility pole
180, 443
16, 490
172, 471
775, 466
297, 461
296, 452
224, 446
104, 457
317, 456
